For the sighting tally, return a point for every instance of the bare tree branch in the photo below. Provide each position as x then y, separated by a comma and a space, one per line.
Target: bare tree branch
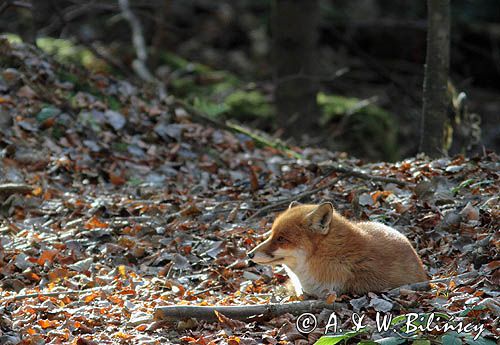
139, 64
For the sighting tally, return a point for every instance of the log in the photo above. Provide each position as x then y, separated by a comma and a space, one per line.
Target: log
13, 188
244, 312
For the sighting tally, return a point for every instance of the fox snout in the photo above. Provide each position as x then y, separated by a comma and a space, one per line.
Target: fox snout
261, 253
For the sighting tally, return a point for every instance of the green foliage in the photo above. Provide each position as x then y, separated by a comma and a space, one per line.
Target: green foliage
178, 63
12, 38
360, 120
421, 342
215, 93
47, 113
335, 339
469, 340
66, 51
248, 105
391, 341
451, 338
210, 108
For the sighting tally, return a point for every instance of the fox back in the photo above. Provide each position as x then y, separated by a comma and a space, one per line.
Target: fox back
323, 252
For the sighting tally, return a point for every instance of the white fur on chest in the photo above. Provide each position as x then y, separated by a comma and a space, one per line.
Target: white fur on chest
304, 282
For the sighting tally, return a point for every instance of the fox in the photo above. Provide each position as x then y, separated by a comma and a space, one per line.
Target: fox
324, 253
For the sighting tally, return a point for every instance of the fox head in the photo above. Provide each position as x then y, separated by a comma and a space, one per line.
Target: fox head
294, 234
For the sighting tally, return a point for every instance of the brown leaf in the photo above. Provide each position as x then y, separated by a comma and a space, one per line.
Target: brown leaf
47, 255
117, 180
226, 321
254, 181
94, 223
47, 323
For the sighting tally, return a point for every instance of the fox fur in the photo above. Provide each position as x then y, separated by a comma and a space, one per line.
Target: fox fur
323, 252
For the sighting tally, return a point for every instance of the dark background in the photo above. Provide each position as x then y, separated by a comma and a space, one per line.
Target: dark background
382, 43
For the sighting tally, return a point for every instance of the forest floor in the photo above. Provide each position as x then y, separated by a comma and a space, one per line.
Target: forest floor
113, 203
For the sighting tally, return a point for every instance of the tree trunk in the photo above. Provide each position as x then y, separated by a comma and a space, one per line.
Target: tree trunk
437, 62
294, 30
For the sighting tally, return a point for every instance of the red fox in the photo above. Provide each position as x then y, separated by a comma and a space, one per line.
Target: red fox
323, 252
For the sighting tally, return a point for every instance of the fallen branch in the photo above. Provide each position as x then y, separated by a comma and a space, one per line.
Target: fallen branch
244, 312
425, 285
267, 311
12, 188
54, 293
200, 117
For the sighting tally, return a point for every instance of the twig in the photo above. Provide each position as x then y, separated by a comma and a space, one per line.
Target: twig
356, 173
199, 116
287, 201
139, 64
302, 75
370, 62
425, 285
211, 288
54, 293
12, 188
330, 169
244, 312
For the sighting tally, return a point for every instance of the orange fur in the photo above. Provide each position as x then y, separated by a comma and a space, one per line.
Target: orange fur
329, 253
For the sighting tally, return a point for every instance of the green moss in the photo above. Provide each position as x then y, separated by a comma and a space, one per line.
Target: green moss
248, 105
12, 38
367, 130
208, 108
215, 93
67, 51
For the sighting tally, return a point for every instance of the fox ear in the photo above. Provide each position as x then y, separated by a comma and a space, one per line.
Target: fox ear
293, 204
320, 218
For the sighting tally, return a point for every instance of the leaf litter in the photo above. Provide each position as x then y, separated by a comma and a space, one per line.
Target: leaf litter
136, 206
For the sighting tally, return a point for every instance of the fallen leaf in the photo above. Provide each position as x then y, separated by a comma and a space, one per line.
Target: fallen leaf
47, 255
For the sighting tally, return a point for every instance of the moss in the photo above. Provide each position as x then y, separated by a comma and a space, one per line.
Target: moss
248, 105
208, 108
67, 51
369, 130
12, 38
215, 93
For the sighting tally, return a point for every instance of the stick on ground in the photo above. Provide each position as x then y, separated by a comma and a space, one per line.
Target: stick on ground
12, 188
424, 286
244, 312
267, 311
